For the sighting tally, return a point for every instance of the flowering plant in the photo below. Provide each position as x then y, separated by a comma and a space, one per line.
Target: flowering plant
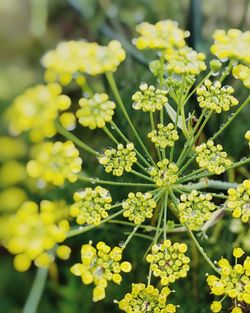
173, 164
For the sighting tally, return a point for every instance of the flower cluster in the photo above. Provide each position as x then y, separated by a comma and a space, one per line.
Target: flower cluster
215, 97
195, 209
91, 205
55, 162
146, 299
138, 206
73, 58
36, 110
32, 232
234, 282
242, 72
239, 201
149, 99
185, 61
233, 44
168, 261
165, 173
162, 35
118, 160
164, 136
96, 111
100, 265
212, 157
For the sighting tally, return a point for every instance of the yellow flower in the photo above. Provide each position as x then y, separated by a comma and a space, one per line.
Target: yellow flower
164, 136
63, 252
14, 148
162, 35
242, 72
247, 136
55, 162
31, 233
99, 266
238, 252
11, 173
96, 111
68, 120
216, 306
17, 196
233, 44
36, 110
91, 205
165, 173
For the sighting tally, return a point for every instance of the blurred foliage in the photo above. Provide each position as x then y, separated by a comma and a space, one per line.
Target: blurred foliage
28, 28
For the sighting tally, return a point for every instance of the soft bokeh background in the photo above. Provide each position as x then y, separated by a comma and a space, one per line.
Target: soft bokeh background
28, 28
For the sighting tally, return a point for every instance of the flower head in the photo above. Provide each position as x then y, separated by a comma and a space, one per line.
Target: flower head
149, 299
242, 72
32, 232
149, 99
164, 136
239, 201
55, 162
233, 44
185, 61
212, 157
99, 266
168, 261
165, 173
216, 98
118, 160
91, 205
138, 206
164, 34
195, 209
36, 110
96, 111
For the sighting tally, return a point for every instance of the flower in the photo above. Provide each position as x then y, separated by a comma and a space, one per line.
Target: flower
96, 111
242, 72
149, 99
33, 231
91, 205
239, 201
185, 61
216, 306
214, 97
118, 160
212, 157
164, 34
71, 59
234, 281
165, 173
55, 162
195, 209
168, 261
233, 44
14, 148
144, 298
36, 110
138, 206
100, 265
164, 136
68, 120
247, 136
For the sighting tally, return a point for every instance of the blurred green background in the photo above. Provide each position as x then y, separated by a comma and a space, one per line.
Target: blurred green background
28, 28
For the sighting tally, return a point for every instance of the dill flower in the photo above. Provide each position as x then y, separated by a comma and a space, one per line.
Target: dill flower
164, 136
36, 110
91, 205
185, 61
195, 209
212, 157
68, 120
234, 281
242, 72
247, 137
165, 173
239, 201
32, 232
14, 148
118, 160
138, 206
96, 111
216, 306
162, 35
99, 266
215, 97
233, 44
55, 162
149, 99
168, 261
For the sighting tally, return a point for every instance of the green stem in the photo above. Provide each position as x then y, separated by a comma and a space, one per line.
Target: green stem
165, 216
175, 128
110, 135
153, 128
130, 237
142, 176
35, 294
209, 183
227, 71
